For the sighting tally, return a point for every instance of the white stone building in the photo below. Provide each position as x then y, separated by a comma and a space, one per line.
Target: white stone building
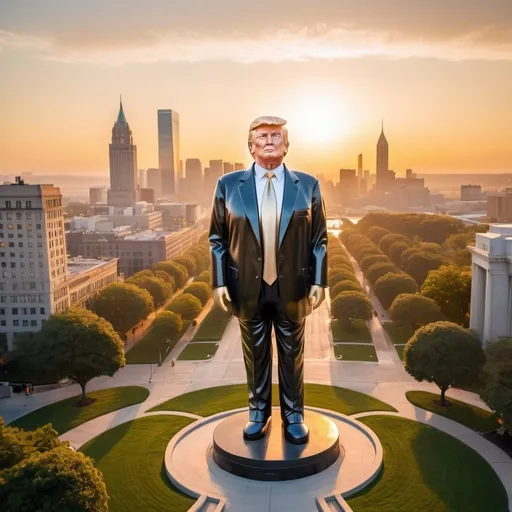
491, 288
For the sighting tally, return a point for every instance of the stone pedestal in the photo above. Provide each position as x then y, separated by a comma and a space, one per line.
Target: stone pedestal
273, 458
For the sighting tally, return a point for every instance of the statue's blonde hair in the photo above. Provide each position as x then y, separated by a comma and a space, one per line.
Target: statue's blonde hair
268, 121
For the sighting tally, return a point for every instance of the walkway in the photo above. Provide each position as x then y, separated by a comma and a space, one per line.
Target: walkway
386, 352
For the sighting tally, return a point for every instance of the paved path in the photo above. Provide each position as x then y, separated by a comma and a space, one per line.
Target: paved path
386, 352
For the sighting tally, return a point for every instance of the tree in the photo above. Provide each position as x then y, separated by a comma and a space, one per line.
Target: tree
462, 258
460, 241
123, 305
166, 324
431, 247
339, 260
341, 275
496, 391
437, 228
366, 250
167, 278
344, 286
58, 480
396, 250
444, 353
175, 270
406, 256
201, 258
370, 259
159, 289
350, 306
188, 262
377, 270
186, 305
77, 344
390, 285
203, 277
200, 290
341, 267
387, 241
414, 310
421, 263
17, 444
450, 287
76, 209
376, 233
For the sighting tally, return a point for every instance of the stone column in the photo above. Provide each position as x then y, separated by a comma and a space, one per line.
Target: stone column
497, 304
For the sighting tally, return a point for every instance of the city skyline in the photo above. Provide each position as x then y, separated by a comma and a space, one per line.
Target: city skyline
438, 75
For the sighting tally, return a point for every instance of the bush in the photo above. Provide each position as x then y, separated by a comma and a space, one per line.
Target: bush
371, 259
175, 270
200, 290
344, 286
377, 270
414, 310
188, 262
186, 305
350, 306
390, 285
203, 277
341, 275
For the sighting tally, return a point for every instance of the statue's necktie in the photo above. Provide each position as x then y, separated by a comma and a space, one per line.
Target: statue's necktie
269, 228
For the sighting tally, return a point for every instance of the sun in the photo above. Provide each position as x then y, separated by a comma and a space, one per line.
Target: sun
319, 121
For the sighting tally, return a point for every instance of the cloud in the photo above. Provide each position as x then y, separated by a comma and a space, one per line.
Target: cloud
293, 43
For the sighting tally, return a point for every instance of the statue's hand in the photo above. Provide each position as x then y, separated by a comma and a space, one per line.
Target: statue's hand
219, 295
317, 293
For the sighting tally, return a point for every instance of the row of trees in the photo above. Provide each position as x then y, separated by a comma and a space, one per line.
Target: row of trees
390, 261
40, 472
348, 300
451, 356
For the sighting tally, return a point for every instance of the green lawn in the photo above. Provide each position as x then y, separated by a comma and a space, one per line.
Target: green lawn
131, 458
360, 334
400, 351
213, 325
206, 402
398, 333
146, 350
355, 353
428, 470
472, 417
64, 416
198, 351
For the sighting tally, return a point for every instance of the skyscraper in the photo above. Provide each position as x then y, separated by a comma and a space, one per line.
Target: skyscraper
169, 150
383, 176
215, 169
154, 181
227, 167
123, 164
239, 166
360, 165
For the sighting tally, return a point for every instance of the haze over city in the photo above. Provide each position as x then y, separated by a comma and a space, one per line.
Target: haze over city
438, 74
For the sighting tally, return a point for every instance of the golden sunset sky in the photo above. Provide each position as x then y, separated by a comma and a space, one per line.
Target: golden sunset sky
439, 73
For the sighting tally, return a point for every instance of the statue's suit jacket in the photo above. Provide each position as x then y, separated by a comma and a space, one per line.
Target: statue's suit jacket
236, 242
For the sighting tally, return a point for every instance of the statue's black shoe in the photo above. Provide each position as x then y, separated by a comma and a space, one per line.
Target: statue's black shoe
254, 430
296, 433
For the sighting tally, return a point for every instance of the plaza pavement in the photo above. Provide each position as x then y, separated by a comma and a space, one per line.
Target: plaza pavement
385, 380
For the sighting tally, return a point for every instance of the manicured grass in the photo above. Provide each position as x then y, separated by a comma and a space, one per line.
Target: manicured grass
428, 470
398, 333
64, 416
360, 334
131, 458
355, 353
213, 326
198, 351
206, 402
146, 350
400, 351
472, 417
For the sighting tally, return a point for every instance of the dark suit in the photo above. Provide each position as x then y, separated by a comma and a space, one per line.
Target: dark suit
237, 262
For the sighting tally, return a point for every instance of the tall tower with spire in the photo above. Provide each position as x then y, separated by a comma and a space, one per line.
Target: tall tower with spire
123, 164
383, 174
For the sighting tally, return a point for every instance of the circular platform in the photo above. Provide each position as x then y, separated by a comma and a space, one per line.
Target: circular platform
273, 458
190, 466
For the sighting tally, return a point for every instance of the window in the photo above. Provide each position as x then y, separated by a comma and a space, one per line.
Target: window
13, 264
23, 311
29, 216
33, 323
32, 311
14, 311
18, 216
14, 299
38, 226
20, 244
18, 204
14, 286
11, 244
31, 244
4, 273
42, 311
3, 323
19, 226
31, 264
2, 311
16, 323
8, 215
25, 323
8, 204
10, 226
13, 275
28, 204
3, 298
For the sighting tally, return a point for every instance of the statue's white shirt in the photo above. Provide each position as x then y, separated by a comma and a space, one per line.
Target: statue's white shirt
278, 182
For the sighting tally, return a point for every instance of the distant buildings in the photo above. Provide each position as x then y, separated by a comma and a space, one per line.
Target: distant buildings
384, 175
470, 192
168, 150
36, 279
97, 195
227, 167
123, 164
499, 206
348, 186
154, 181
491, 285
239, 166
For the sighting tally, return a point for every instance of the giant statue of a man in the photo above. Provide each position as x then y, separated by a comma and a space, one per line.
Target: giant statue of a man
268, 242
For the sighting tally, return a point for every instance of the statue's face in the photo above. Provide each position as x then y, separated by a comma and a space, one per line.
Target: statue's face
268, 145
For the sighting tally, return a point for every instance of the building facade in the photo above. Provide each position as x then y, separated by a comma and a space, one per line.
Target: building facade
123, 164
97, 195
491, 284
168, 150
